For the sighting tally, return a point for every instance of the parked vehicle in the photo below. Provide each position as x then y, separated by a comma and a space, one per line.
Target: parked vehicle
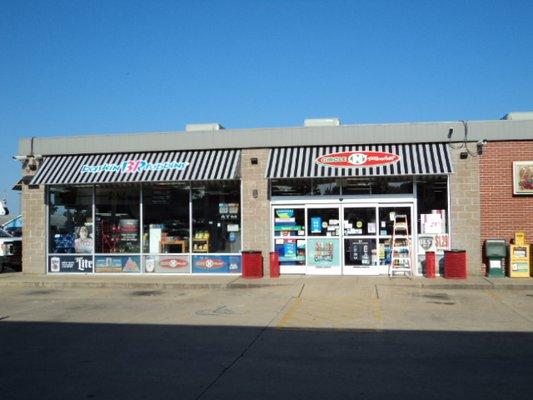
10, 251
13, 226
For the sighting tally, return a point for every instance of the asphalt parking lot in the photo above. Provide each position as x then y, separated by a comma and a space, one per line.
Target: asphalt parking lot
318, 339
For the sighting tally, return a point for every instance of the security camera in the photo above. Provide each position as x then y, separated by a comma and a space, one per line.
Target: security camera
482, 142
32, 164
20, 158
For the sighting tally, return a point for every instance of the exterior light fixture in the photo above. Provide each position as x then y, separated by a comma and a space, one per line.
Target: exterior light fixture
479, 146
450, 133
254, 161
255, 193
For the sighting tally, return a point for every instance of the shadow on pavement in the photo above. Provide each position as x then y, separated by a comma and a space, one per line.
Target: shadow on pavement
104, 361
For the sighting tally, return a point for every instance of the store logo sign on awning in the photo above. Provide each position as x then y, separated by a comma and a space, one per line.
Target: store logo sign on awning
357, 159
134, 166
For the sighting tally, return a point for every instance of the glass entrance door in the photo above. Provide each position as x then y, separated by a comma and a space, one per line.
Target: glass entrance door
360, 240
333, 239
323, 240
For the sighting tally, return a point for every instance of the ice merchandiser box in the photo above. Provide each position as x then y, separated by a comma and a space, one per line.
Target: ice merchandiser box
496, 253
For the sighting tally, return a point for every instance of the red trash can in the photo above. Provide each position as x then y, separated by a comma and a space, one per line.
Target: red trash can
274, 264
431, 261
455, 264
252, 264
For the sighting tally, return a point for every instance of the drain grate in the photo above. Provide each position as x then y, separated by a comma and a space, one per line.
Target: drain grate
446, 303
40, 292
146, 293
222, 310
434, 296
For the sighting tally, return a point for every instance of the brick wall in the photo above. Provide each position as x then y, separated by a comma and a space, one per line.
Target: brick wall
465, 209
33, 230
503, 213
256, 211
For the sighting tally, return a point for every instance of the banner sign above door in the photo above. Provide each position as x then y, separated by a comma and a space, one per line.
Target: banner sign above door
164, 166
358, 159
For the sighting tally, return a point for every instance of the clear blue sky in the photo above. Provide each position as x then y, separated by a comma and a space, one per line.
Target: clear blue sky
79, 67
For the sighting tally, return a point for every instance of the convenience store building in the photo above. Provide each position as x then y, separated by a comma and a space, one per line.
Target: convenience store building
324, 196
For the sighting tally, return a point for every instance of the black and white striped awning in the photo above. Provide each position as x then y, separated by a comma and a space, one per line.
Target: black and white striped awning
139, 167
346, 161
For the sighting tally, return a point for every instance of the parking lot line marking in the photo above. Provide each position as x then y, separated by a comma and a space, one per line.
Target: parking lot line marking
289, 314
494, 295
378, 315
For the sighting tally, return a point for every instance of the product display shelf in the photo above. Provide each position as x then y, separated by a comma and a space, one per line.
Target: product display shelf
200, 245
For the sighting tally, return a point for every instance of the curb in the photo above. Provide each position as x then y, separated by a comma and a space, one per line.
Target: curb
240, 283
135, 285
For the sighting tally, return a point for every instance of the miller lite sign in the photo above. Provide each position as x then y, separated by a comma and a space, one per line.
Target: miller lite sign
357, 159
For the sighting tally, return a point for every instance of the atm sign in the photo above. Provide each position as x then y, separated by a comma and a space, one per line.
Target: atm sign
357, 159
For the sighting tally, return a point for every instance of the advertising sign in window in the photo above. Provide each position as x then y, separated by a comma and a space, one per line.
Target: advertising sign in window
215, 263
167, 264
67, 264
118, 264
323, 252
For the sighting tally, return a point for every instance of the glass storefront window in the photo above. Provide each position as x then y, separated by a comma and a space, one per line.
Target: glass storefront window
432, 219
117, 222
357, 186
323, 222
393, 186
291, 251
289, 221
290, 187
432, 196
326, 187
216, 217
165, 219
360, 252
385, 251
386, 219
70, 220
377, 185
359, 221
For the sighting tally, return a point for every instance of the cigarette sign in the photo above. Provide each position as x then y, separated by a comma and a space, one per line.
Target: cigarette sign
358, 159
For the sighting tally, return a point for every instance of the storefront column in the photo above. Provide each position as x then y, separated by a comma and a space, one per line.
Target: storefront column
34, 229
255, 203
465, 209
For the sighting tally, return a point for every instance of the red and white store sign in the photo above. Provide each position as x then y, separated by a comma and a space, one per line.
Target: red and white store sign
360, 159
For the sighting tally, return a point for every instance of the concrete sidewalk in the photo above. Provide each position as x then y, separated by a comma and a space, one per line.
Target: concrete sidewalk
18, 279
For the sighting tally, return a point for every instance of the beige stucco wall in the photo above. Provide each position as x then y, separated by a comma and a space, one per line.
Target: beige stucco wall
255, 211
465, 209
34, 230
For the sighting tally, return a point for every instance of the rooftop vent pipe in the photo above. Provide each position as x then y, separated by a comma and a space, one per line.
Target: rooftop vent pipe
203, 127
322, 122
519, 116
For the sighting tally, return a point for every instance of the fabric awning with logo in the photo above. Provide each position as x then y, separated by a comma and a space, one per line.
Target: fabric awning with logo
350, 161
139, 167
